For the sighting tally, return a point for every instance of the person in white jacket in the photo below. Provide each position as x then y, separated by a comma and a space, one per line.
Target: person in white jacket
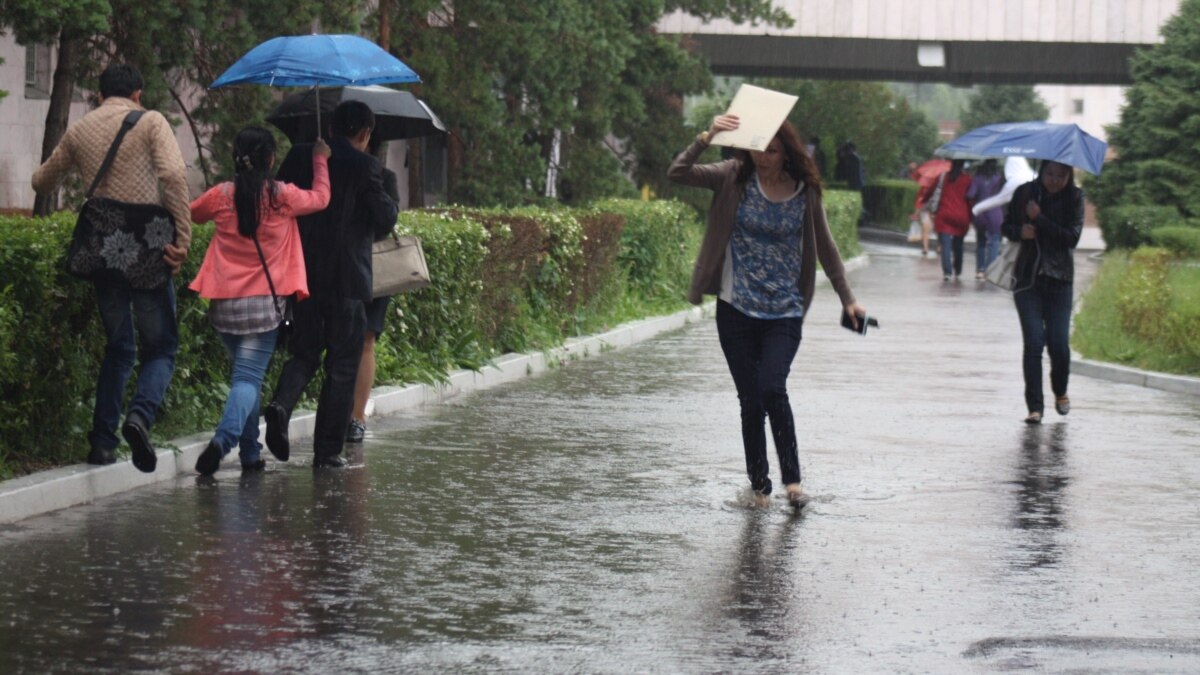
1017, 172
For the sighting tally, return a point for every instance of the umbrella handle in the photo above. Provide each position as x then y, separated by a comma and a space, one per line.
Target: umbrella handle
317, 90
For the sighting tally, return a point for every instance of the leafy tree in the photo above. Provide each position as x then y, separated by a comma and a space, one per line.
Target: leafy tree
1157, 137
68, 23
918, 138
1004, 103
506, 76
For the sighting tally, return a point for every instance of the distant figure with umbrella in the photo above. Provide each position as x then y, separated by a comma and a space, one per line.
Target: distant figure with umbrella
952, 217
329, 326
1045, 217
986, 183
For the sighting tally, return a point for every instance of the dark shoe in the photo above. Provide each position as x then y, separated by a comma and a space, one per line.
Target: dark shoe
210, 460
277, 431
1033, 418
356, 431
1063, 405
102, 457
260, 465
138, 437
329, 462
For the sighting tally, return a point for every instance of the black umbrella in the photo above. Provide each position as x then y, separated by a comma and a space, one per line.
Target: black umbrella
398, 114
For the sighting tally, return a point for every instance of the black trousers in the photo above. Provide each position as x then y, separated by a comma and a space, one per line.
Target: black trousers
333, 327
760, 353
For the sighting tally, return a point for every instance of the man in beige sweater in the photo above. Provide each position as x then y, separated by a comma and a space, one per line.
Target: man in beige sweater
148, 169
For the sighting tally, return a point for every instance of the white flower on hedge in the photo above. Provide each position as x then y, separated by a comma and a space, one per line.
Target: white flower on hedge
159, 232
120, 250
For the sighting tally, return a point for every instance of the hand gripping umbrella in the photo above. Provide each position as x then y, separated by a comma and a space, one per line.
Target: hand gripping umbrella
1062, 143
316, 60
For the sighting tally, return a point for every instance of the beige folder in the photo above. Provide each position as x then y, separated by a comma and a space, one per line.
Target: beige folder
760, 114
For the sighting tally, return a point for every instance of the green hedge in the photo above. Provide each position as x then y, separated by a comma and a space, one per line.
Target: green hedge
890, 202
1129, 227
841, 210
1182, 241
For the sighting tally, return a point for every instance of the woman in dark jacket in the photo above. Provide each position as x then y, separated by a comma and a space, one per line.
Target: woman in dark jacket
766, 232
1046, 217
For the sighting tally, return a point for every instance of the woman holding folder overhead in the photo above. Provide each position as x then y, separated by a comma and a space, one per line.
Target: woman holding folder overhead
766, 231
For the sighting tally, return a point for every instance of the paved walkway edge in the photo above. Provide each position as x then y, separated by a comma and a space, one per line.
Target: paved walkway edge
77, 484
1180, 384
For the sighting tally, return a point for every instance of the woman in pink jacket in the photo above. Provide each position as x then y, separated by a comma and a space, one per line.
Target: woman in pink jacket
254, 262
952, 219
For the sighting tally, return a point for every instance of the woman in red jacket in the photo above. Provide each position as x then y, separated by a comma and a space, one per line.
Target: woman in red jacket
952, 219
253, 263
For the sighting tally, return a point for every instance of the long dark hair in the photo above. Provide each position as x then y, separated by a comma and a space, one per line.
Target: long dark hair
252, 152
796, 162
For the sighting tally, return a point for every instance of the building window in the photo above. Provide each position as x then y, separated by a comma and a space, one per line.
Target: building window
1077, 106
37, 71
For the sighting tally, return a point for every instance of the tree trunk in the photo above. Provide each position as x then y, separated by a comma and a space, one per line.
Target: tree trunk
385, 24
59, 113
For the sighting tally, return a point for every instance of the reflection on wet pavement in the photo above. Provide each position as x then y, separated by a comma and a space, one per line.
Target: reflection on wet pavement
595, 519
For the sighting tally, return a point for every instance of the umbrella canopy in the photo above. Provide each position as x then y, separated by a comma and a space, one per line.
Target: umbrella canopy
320, 60
927, 173
398, 114
1063, 143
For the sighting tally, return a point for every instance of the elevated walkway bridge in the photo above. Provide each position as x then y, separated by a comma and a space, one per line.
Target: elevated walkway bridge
961, 42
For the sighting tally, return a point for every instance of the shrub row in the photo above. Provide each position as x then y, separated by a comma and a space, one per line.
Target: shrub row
890, 202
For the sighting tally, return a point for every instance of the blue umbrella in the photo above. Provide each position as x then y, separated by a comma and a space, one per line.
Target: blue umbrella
1063, 143
316, 60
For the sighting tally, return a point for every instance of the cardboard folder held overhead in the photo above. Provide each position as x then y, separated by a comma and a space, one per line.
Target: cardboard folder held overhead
760, 114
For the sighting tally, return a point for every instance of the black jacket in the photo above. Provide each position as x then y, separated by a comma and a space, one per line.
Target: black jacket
1058, 229
337, 241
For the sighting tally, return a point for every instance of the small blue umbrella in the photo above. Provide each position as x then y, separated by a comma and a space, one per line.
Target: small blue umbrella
317, 60
1063, 143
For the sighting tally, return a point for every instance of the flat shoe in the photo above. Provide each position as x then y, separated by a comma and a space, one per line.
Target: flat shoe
1034, 418
138, 438
329, 462
797, 499
210, 460
1062, 405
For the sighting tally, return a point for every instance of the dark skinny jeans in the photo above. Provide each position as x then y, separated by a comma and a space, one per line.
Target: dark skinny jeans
1045, 313
760, 353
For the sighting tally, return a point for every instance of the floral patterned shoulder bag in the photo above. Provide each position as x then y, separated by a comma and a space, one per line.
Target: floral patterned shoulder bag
118, 242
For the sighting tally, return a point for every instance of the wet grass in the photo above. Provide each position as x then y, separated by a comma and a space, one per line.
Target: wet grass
1168, 343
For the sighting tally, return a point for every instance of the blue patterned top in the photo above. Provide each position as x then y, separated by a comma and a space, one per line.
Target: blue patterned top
765, 251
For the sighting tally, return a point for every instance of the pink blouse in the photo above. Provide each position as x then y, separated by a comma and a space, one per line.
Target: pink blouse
231, 267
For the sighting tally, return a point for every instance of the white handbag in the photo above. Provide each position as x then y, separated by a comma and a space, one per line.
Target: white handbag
397, 266
1002, 271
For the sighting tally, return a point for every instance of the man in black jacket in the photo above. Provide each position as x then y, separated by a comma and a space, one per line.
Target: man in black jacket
337, 255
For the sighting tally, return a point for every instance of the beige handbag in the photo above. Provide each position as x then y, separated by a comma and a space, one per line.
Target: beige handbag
398, 265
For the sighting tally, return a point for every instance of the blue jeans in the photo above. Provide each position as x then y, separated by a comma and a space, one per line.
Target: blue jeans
760, 353
251, 355
987, 248
138, 324
1045, 313
952, 254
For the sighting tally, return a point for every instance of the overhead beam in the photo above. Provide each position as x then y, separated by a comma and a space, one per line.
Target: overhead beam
966, 63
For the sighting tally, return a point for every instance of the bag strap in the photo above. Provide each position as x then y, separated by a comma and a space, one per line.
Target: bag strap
130, 120
263, 259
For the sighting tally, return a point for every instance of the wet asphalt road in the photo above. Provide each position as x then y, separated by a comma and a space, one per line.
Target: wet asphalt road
595, 519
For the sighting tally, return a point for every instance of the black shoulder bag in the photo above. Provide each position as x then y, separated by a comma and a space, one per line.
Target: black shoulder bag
285, 315
117, 242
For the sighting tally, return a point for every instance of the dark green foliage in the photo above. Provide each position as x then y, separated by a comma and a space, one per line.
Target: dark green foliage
1157, 138
841, 210
890, 202
1004, 103
1129, 226
1180, 240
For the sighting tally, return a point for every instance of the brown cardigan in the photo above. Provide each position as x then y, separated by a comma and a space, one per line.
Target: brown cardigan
721, 178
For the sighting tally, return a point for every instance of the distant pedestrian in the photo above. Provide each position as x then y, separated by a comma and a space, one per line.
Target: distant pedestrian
253, 264
1046, 218
952, 218
818, 154
148, 169
984, 184
766, 231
